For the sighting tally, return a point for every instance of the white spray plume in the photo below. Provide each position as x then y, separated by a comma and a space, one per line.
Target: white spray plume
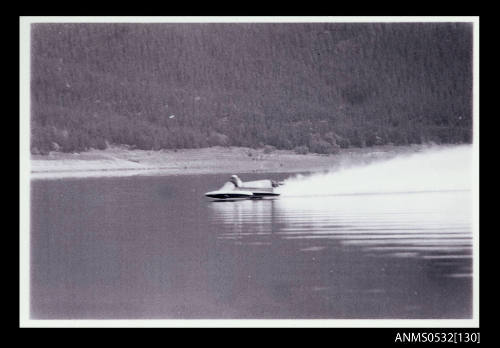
436, 169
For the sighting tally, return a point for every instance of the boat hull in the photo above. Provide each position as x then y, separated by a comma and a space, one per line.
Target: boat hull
229, 194
265, 194
249, 190
240, 194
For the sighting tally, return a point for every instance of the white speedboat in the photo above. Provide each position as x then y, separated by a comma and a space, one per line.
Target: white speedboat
237, 189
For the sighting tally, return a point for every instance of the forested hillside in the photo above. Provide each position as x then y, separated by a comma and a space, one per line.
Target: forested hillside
303, 86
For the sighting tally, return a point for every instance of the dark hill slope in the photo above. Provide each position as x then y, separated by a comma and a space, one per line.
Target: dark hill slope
307, 86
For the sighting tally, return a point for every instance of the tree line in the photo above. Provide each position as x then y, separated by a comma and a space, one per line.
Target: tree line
308, 87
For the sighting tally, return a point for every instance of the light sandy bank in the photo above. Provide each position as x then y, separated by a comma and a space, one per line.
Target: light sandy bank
122, 161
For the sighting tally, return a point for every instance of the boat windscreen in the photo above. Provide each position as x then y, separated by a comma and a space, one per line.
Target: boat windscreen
227, 186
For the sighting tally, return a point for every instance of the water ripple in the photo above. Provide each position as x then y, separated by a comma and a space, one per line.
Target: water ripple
430, 225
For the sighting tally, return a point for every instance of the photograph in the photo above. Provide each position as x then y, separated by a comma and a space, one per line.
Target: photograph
249, 171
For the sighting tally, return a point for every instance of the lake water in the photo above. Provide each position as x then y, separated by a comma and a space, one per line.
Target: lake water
151, 247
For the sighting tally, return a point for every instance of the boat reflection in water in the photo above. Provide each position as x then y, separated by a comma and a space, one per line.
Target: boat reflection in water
405, 255
430, 225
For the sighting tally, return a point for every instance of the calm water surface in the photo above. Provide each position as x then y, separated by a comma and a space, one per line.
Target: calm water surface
154, 247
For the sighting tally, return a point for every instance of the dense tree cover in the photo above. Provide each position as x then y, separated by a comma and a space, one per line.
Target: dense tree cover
304, 86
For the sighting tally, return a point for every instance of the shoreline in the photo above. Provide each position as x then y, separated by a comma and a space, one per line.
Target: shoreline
122, 161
